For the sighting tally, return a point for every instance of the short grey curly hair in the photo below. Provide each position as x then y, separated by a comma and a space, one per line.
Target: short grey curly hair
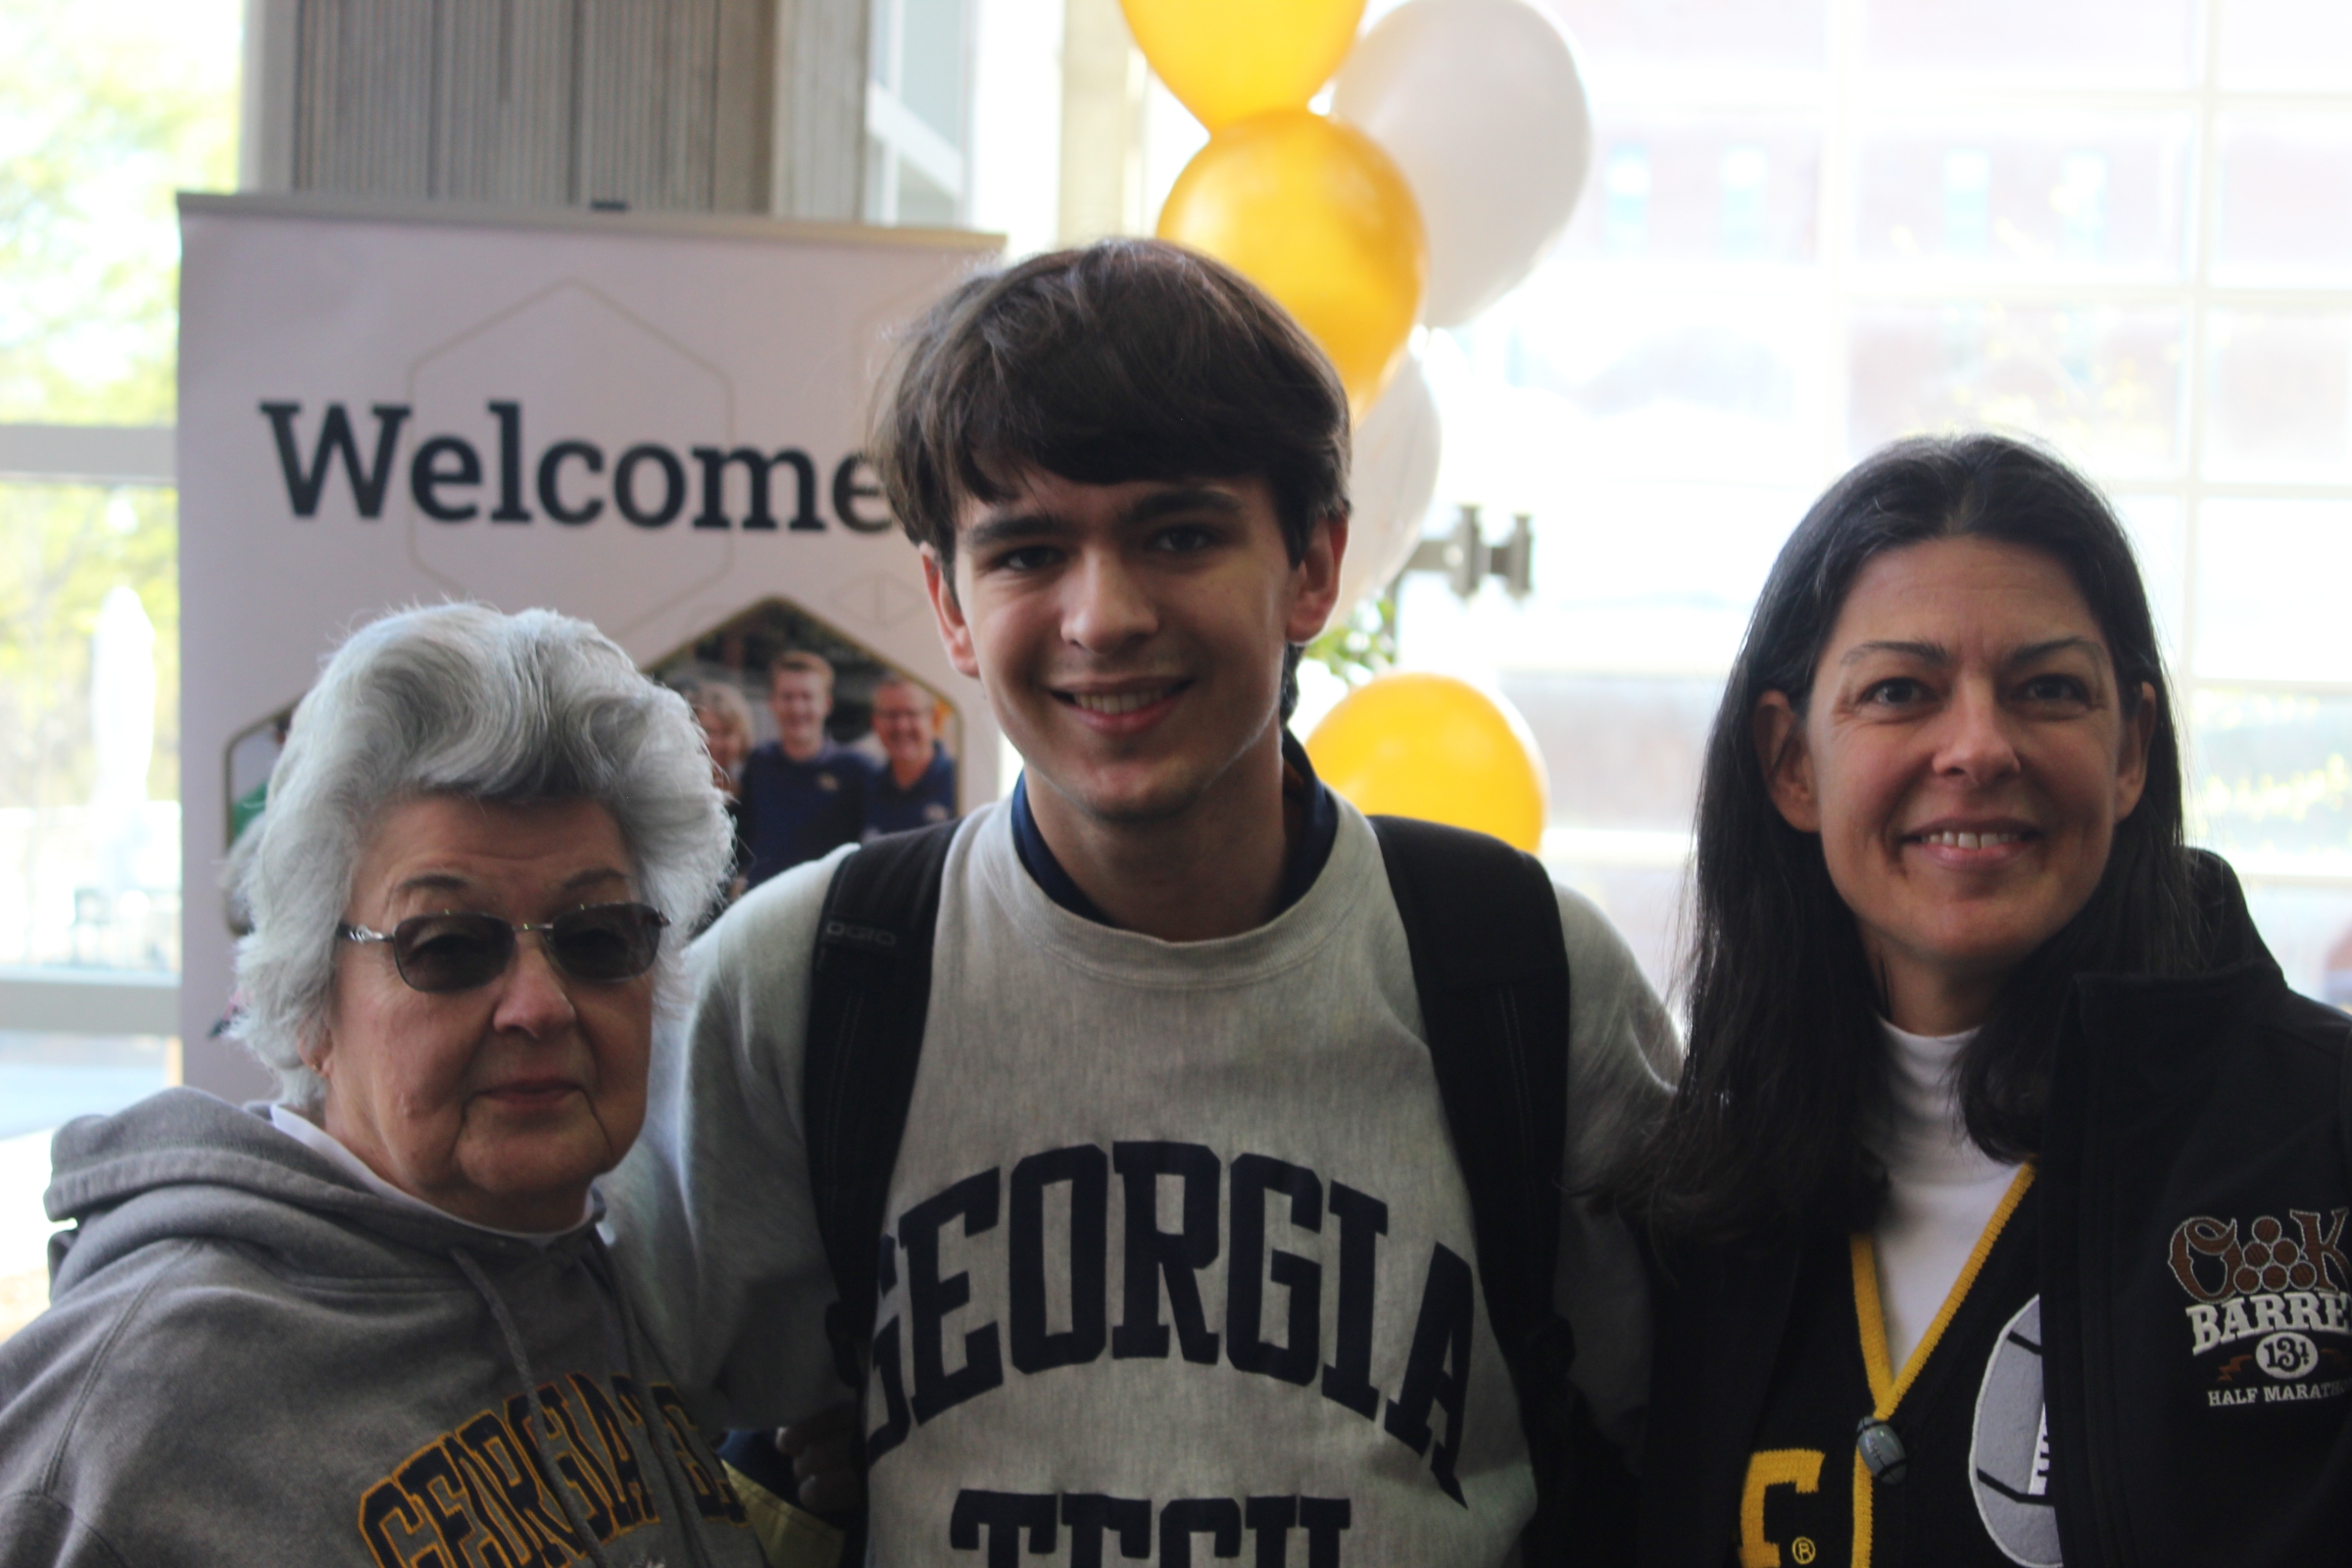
461, 700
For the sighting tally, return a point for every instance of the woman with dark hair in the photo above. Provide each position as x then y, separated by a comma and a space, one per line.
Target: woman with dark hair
2002, 1209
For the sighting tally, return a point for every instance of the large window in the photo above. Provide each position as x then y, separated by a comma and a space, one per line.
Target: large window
105, 110
2122, 226
917, 112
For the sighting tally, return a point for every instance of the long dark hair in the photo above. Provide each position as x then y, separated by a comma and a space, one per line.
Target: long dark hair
1785, 1053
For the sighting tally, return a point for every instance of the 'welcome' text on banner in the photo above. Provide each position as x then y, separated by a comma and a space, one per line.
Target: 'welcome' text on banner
652, 422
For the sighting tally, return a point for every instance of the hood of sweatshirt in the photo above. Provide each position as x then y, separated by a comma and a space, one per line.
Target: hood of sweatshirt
183, 1164
248, 1357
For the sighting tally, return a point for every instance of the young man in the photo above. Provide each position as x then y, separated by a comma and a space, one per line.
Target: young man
915, 786
1170, 967
800, 794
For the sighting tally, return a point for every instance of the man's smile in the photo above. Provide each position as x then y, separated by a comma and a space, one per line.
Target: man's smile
1124, 700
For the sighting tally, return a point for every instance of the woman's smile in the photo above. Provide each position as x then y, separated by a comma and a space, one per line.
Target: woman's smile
1972, 844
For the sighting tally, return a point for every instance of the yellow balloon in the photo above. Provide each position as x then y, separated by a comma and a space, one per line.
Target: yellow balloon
1435, 748
1318, 216
1226, 60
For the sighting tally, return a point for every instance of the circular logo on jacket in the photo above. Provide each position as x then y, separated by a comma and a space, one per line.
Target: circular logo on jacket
2009, 1457
2288, 1356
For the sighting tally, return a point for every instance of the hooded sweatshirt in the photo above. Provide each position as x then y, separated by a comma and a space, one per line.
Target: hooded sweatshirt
249, 1358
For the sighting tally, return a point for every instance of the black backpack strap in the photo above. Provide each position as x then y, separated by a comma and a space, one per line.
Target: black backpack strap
1491, 964
869, 991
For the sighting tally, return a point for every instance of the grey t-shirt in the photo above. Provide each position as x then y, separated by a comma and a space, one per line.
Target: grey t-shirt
1179, 1243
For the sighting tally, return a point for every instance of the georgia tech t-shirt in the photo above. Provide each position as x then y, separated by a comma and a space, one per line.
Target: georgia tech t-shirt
1180, 1265
1144, 1196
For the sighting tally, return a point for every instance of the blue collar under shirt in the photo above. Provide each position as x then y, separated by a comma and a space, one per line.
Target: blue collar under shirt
1316, 827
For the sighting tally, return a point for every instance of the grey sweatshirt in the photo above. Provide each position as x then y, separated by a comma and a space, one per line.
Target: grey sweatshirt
249, 1358
1178, 1245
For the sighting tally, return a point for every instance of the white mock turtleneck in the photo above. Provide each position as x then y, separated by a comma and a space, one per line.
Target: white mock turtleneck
1943, 1188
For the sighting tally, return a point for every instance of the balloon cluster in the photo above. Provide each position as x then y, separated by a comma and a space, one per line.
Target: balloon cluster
1455, 148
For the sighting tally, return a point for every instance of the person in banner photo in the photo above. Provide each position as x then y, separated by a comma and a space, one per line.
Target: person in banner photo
915, 786
2004, 1196
374, 1323
800, 794
726, 723
1192, 1167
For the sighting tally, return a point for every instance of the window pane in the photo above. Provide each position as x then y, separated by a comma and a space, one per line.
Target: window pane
2102, 382
1643, 901
882, 42
1630, 577
1624, 753
89, 706
1603, 381
2309, 931
109, 109
2154, 524
24, 1228
1699, 187
1684, 35
931, 67
91, 887
2286, 45
2043, 43
2087, 198
2273, 776
2269, 590
2286, 199
922, 203
46, 1080
2280, 404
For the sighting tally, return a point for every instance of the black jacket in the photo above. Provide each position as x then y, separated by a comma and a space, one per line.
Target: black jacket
2188, 1120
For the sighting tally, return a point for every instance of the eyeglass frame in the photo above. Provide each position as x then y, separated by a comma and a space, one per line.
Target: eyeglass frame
359, 935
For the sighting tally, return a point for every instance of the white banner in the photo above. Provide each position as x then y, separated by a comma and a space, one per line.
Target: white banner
650, 421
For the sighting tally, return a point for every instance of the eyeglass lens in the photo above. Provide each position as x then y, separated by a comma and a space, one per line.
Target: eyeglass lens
603, 942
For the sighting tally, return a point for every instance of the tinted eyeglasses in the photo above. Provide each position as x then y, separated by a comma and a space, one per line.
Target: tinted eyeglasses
458, 952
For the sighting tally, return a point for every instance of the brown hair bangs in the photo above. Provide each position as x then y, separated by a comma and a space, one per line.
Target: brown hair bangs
1128, 360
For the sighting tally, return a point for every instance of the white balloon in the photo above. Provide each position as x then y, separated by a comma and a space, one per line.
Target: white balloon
1480, 104
1392, 478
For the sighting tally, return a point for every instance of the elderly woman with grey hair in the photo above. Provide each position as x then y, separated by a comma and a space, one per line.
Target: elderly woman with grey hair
373, 1322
